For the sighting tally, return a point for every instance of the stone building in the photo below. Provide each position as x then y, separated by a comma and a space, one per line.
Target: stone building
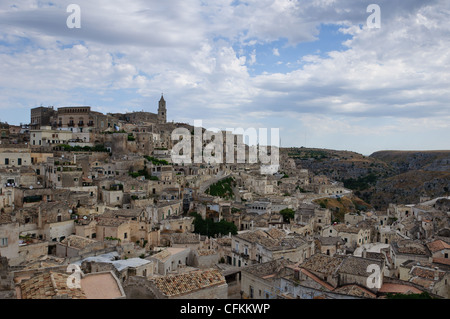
41, 116
171, 260
261, 281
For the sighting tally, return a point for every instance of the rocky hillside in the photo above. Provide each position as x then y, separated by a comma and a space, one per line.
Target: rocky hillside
337, 165
405, 161
383, 177
341, 206
418, 173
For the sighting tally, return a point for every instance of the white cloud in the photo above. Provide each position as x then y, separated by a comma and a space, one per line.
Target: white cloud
199, 55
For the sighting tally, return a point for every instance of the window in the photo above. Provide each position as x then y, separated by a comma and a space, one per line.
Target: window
3, 242
125, 235
6, 161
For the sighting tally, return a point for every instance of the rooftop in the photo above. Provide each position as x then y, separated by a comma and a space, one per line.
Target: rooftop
437, 245
48, 286
78, 242
101, 286
269, 268
410, 247
324, 264
176, 285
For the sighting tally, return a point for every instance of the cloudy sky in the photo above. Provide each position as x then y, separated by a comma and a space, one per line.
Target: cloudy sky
315, 69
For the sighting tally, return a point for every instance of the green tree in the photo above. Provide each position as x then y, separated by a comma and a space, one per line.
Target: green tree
208, 227
287, 214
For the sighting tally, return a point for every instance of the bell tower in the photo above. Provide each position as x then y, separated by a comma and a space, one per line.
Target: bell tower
162, 111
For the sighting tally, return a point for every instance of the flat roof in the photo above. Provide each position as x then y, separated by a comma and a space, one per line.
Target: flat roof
101, 286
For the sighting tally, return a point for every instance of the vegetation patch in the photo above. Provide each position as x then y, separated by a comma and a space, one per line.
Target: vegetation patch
223, 188
208, 227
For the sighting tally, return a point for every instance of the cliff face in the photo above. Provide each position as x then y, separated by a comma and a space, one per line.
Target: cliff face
383, 177
404, 161
418, 173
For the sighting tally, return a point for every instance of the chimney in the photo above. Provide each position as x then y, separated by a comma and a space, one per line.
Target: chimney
364, 253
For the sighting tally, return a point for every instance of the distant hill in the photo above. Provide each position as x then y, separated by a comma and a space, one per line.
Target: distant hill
404, 161
383, 177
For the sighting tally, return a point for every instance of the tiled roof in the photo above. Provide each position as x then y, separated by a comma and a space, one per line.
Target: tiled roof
276, 233
444, 261
175, 285
437, 245
317, 279
410, 247
357, 265
355, 290
268, 268
49, 285
322, 263
163, 255
77, 242
398, 288
426, 273
111, 222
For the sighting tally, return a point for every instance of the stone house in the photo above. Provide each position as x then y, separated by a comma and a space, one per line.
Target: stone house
261, 281
128, 225
330, 246
353, 218
339, 271
353, 236
170, 260
260, 246
440, 251
74, 246
178, 223
18, 177
403, 250
122, 268
322, 218
11, 156
86, 228
431, 277
165, 209
204, 258
9, 238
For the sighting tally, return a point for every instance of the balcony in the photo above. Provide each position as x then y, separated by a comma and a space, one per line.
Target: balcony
90, 124
80, 124
70, 124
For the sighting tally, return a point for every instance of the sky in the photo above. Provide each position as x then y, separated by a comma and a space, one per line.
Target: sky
320, 71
